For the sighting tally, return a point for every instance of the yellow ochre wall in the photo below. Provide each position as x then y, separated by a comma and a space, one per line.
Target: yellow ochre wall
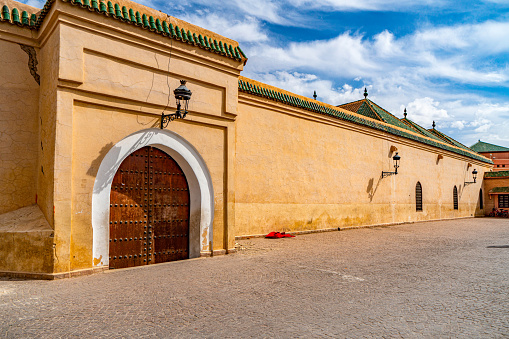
26, 237
110, 86
299, 171
19, 93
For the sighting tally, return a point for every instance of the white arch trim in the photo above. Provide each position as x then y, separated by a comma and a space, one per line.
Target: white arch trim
197, 175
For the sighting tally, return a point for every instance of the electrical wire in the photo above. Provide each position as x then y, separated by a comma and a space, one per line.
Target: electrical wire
168, 77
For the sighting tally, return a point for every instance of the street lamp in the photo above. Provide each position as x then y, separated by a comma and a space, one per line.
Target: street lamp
474, 175
182, 96
396, 158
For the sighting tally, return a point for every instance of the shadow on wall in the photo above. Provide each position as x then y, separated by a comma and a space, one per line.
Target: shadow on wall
94, 166
112, 170
372, 190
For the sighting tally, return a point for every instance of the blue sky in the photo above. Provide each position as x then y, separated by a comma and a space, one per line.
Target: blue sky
444, 60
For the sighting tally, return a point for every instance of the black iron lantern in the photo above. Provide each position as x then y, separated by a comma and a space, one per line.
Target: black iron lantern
182, 97
396, 158
474, 175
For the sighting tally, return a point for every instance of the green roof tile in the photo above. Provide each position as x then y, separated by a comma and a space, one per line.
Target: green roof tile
367, 111
118, 12
24, 18
6, 15
482, 146
496, 174
15, 16
421, 129
499, 190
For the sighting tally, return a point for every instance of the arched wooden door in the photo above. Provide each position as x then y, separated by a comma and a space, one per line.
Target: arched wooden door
149, 210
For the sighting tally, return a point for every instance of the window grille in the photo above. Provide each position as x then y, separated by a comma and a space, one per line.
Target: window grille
455, 197
418, 197
503, 201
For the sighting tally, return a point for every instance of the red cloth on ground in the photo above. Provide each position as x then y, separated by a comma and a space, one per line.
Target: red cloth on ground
277, 235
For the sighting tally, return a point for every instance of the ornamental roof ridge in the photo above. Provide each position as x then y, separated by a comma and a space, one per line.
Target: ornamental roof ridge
447, 138
421, 129
134, 14
279, 95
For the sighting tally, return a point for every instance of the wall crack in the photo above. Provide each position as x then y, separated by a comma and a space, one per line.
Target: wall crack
32, 61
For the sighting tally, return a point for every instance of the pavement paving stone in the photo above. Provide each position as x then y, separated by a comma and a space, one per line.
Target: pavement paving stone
422, 280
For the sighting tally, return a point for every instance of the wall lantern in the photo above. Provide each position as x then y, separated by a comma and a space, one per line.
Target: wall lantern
474, 175
182, 93
396, 159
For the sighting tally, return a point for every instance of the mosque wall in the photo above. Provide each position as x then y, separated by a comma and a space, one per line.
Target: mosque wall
298, 171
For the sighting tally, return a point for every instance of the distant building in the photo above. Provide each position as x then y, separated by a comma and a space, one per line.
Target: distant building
496, 185
499, 154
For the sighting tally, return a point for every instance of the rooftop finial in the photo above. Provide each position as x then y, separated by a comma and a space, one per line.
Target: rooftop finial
434, 124
365, 93
314, 95
404, 113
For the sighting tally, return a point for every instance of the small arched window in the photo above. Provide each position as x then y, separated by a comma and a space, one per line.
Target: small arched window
481, 202
418, 197
455, 197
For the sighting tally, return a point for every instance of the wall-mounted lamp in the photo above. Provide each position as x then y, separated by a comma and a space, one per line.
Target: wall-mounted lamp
395, 159
474, 175
182, 93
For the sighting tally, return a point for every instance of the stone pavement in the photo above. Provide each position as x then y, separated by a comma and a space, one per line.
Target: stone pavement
433, 279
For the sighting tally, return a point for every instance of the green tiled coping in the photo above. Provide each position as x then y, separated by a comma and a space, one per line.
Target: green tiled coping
13, 17
499, 190
496, 174
128, 16
247, 87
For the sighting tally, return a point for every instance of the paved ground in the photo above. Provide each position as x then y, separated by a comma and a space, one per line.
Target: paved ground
436, 279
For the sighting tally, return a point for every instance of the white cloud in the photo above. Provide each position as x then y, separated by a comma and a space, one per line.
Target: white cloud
458, 124
371, 5
483, 128
425, 54
385, 46
265, 10
344, 55
488, 37
426, 110
247, 30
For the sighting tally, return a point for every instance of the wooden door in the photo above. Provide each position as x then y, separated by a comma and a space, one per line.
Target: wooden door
149, 210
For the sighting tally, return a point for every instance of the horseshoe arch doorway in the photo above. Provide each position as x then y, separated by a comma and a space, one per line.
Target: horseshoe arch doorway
149, 210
